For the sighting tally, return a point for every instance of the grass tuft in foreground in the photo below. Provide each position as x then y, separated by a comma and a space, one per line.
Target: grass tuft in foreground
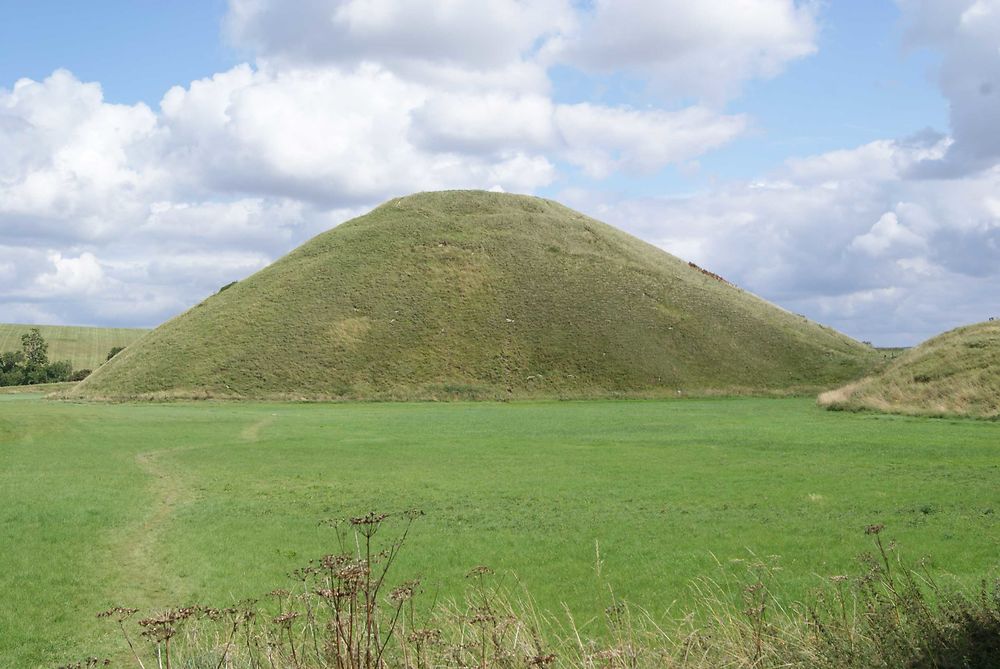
341, 611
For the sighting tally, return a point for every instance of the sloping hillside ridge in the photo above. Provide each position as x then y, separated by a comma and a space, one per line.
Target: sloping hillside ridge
954, 374
472, 294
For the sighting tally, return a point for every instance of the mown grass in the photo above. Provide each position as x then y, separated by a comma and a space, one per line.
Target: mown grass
158, 505
84, 347
954, 374
475, 295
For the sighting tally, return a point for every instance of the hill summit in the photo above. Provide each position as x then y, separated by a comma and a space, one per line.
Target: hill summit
471, 294
954, 374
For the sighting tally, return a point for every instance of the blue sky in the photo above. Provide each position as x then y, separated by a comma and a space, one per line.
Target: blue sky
833, 157
137, 49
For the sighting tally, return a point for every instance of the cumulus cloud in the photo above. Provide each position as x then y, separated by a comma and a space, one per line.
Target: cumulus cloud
599, 139
965, 33
473, 34
72, 276
706, 48
888, 235
69, 161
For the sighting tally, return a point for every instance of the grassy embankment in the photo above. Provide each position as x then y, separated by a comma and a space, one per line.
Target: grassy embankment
158, 505
478, 295
954, 374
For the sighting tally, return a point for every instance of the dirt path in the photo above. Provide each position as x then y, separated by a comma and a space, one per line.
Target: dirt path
142, 580
252, 432
141, 575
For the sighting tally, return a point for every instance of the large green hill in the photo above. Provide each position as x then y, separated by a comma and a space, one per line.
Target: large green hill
478, 295
954, 374
84, 347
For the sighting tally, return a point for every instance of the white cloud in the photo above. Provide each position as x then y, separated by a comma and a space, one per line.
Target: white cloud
324, 135
603, 140
965, 33
706, 48
599, 139
887, 235
72, 276
474, 34
70, 162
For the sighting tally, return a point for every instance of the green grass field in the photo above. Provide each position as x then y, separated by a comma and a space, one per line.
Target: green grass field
159, 504
85, 347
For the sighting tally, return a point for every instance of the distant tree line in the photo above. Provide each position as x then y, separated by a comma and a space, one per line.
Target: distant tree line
31, 364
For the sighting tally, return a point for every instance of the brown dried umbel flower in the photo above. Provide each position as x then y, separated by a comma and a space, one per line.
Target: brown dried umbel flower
541, 660
88, 663
480, 570
119, 613
371, 518
285, 619
874, 529
482, 616
160, 633
169, 617
334, 562
353, 574
425, 635
404, 592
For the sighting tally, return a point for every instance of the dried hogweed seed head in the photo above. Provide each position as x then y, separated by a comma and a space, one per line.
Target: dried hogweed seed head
542, 660
482, 615
404, 592
286, 619
335, 561
874, 529
425, 635
353, 574
480, 570
371, 518
118, 612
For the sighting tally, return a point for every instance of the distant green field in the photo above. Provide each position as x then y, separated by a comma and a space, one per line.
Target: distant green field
85, 347
151, 505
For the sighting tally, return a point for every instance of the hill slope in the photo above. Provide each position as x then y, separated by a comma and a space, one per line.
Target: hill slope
84, 347
476, 294
954, 374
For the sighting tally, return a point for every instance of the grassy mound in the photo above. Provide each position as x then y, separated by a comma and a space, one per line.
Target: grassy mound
84, 347
477, 295
954, 374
